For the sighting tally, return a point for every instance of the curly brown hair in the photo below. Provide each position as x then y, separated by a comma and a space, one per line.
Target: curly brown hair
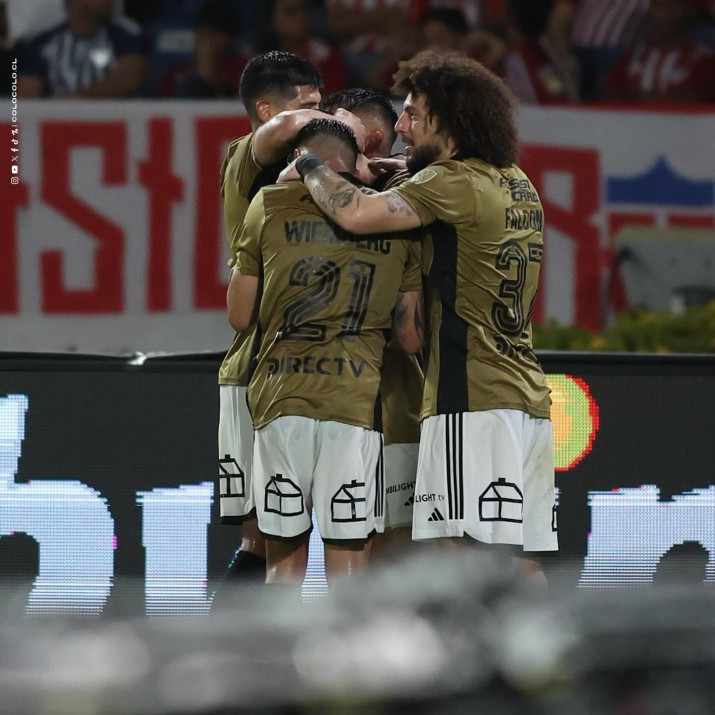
470, 103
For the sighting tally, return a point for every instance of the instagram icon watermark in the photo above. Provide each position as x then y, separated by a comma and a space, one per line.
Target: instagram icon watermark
14, 128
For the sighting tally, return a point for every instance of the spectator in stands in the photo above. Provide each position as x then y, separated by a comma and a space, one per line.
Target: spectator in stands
288, 28
597, 33
440, 29
91, 55
445, 29
217, 63
669, 65
489, 15
373, 36
535, 70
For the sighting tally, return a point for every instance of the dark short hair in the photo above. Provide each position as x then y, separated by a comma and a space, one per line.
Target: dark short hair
331, 128
361, 98
470, 103
276, 74
369, 100
452, 18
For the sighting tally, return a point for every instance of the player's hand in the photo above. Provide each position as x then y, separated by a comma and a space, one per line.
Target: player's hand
393, 163
353, 123
288, 174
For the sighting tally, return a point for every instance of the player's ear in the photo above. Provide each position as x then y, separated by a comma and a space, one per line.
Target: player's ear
373, 140
263, 110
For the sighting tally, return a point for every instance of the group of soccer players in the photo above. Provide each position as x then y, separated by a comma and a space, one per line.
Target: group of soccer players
322, 390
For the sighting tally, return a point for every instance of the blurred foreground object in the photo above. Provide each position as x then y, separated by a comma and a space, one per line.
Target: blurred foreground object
398, 642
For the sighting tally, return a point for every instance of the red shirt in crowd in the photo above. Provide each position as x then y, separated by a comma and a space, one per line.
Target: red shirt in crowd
656, 74
536, 74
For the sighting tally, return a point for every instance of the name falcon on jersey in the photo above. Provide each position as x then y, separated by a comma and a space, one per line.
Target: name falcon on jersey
321, 232
524, 219
311, 365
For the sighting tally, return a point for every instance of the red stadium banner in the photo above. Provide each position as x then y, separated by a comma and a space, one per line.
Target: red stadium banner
112, 238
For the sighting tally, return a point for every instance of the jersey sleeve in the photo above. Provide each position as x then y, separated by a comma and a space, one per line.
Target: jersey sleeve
224, 173
437, 193
412, 274
248, 249
238, 174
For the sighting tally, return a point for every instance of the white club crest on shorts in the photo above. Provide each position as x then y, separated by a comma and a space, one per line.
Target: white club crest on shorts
283, 496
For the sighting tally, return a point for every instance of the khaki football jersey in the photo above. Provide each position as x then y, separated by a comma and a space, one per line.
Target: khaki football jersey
401, 394
325, 308
402, 377
241, 177
482, 264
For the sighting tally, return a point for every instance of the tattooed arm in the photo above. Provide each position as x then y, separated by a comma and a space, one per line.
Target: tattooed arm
408, 325
356, 212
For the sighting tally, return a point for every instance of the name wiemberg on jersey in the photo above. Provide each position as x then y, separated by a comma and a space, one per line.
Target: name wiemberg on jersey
321, 232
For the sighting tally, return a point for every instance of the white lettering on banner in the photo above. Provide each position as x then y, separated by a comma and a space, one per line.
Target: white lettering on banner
174, 523
74, 530
112, 241
631, 530
70, 522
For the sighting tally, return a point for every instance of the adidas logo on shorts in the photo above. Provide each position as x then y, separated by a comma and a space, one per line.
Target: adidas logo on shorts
410, 501
436, 515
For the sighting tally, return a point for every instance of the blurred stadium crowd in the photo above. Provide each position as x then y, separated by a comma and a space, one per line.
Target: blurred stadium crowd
548, 51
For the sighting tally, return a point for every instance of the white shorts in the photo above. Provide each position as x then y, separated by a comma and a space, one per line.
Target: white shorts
300, 464
400, 470
489, 475
235, 455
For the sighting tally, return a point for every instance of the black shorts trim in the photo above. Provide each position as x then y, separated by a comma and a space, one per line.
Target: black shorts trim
349, 542
287, 539
237, 520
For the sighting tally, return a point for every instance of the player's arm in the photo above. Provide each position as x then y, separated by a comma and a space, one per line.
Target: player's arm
345, 204
408, 325
244, 288
242, 300
272, 141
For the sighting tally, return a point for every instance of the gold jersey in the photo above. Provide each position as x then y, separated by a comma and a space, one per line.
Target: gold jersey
241, 178
482, 265
401, 393
325, 308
